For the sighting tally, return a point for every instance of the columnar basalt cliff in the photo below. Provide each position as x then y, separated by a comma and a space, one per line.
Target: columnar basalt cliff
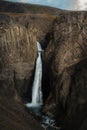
18, 53
63, 35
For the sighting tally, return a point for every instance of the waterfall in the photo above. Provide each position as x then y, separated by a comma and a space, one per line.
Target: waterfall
37, 83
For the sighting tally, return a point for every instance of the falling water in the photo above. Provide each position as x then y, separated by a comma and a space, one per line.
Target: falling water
36, 88
37, 101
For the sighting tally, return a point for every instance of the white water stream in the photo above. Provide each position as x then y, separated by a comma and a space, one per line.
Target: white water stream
37, 83
37, 95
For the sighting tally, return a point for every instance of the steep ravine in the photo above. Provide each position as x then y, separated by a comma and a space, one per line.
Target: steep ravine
18, 53
18, 35
64, 68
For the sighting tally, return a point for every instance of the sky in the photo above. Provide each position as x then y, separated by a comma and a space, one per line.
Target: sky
62, 4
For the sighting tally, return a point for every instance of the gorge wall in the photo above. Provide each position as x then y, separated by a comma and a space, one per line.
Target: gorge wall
16, 53
66, 55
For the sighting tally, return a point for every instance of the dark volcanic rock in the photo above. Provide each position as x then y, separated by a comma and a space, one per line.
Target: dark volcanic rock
66, 55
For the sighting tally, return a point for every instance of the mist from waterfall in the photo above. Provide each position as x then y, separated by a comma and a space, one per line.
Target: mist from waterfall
37, 83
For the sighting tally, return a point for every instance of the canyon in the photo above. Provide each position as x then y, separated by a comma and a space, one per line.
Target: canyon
62, 35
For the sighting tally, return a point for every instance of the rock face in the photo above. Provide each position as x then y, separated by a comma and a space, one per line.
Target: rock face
18, 54
66, 55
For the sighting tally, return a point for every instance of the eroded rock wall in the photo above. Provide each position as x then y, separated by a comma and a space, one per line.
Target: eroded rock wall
66, 55
17, 57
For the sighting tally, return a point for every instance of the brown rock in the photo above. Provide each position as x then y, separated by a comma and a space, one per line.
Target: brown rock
66, 55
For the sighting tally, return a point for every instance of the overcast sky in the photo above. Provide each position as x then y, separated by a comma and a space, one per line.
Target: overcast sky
63, 4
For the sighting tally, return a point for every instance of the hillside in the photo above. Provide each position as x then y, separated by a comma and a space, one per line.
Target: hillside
6, 6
